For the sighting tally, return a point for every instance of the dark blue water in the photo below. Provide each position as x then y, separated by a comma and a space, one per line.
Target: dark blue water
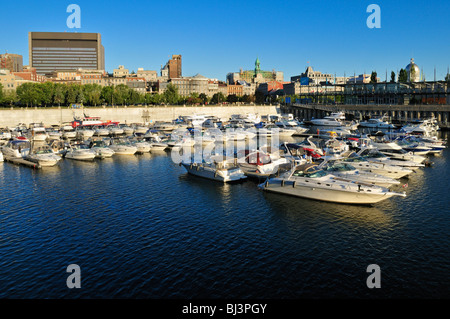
140, 227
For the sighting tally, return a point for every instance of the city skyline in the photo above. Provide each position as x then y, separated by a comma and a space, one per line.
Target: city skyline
217, 38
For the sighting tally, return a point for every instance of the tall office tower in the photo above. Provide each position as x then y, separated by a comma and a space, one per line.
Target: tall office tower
12, 62
55, 51
175, 67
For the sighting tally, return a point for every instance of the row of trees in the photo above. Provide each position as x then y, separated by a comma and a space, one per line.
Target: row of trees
57, 94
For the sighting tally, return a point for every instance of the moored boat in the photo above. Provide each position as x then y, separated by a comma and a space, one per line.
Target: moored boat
308, 181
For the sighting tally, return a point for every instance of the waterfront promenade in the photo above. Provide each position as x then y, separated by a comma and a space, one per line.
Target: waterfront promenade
55, 116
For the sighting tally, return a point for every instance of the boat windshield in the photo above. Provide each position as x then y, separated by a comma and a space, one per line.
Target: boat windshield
98, 144
355, 159
43, 150
372, 154
338, 167
312, 172
258, 159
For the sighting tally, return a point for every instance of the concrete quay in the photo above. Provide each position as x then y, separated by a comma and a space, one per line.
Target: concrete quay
11, 117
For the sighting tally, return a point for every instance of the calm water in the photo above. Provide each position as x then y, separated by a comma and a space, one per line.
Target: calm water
140, 227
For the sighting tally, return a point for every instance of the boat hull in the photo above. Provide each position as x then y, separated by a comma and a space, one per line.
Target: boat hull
220, 175
322, 194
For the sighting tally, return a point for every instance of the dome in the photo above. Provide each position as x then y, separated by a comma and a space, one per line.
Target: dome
413, 72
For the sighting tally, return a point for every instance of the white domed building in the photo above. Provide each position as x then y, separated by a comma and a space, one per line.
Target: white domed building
413, 72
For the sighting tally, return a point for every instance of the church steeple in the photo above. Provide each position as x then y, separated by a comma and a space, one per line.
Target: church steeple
257, 68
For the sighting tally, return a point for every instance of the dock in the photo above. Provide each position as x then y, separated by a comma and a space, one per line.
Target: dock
21, 161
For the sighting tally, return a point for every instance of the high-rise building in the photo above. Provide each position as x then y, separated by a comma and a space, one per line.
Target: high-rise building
173, 67
12, 62
53, 51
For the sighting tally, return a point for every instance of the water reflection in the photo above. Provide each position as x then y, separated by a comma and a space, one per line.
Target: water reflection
298, 210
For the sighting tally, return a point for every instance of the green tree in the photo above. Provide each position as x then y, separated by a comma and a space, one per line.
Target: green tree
47, 91
107, 94
402, 76
9, 98
71, 94
392, 77
218, 98
203, 97
171, 96
121, 94
28, 94
59, 95
259, 97
373, 77
232, 98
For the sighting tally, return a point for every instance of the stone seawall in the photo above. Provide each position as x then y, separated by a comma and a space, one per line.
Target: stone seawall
56, 116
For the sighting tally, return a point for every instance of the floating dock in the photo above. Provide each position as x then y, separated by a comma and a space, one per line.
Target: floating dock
21, 161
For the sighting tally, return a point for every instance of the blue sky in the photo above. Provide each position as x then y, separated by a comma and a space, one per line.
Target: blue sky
217, 37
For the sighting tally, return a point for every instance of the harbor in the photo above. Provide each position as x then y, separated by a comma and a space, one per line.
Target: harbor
142, 225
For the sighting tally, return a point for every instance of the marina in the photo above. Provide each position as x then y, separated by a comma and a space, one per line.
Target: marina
143, 225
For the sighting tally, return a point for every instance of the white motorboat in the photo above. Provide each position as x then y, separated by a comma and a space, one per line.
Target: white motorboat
378, 123
100, 148
425, 127
374, 155
158, 143
281, 131
84, 132
334, 119
377, 167
38, 134
394, 151
196, 120
349, 172
436, 145
53, 132
420, 145
141, 145
68, 132
309, 181
259, 164
165, 127
292, 125
114, 129
139, 128
1, 157
5, 134
216, 168
101, 131
415, 147
122, 146
43, 155
80, 152
127, 130
16, 148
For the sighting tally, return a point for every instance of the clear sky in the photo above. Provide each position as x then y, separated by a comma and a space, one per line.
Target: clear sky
217, 37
